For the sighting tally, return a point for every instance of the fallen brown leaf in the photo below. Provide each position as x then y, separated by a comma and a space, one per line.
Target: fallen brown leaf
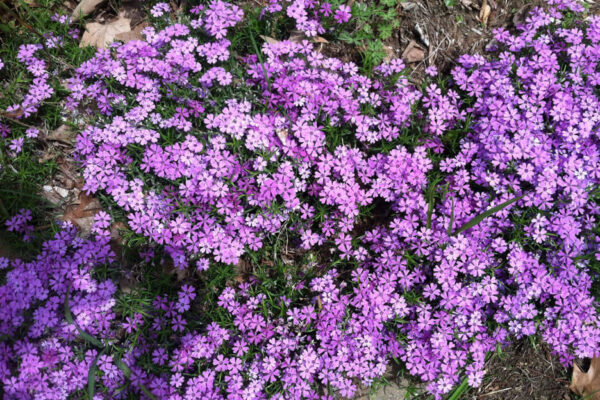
62, 134
521, 15
587, 383
52, 195
390, 54
243, 270
127, 283
468, 4
413, 53
135, 34
66, 166
81, 213
407, 5
484, 12
85, 7
296, 36
168, 267
134, 10
282, 134
70, 5
269, 39
99, 35
13, 114
177, 8
116, 240
47, 156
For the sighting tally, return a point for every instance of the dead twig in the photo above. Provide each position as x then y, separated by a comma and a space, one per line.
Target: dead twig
499, 391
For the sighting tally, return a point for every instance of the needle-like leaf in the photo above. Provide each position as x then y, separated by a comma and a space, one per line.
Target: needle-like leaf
477, 219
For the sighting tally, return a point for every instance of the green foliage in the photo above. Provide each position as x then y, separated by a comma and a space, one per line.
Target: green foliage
372, 23
450, 3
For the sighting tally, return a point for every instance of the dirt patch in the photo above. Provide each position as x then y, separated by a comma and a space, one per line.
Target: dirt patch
342, 51
443, 32
524, 372
448, 32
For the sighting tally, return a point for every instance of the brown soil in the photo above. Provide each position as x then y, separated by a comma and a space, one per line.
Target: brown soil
524, 372
448, 32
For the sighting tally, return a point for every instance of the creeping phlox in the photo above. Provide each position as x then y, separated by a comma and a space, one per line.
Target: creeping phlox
47, 358
305, 144
231, 176
312, 17
35, 81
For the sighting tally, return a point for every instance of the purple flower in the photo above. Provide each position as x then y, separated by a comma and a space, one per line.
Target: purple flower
342, 14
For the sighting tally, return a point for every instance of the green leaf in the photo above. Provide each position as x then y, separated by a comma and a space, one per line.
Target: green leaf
346, 37
124, 368
92, 376
390, 15
451, 224
385, 31
260, 60
459, 390
5, 28
474, 221
430, 197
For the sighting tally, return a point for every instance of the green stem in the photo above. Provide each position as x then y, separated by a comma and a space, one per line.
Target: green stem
459, 390
3, 210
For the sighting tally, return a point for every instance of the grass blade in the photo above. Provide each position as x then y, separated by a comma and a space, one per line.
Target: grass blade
451, 224
430, 197
260, 60
459, 390
92, 376
477, 219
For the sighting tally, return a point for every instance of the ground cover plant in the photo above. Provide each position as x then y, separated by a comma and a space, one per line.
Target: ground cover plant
382, 221
31, 70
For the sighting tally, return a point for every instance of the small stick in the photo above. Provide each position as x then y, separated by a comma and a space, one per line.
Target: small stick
497, 391
16, 121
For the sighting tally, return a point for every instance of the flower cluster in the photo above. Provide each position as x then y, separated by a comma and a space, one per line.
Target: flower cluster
311, 16
159, 9
39, 90
47, 358
535, 131
21, 224
282, 171
31, 92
